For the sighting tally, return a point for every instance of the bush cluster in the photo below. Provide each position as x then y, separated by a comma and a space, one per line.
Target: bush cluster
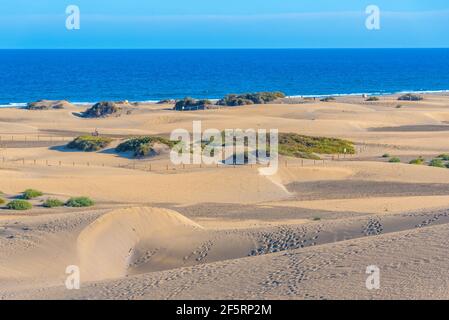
102, 109
143, 146
80, 202
89, 143
250, 98
300, 146
410, 97
23, 204
419, 161
31, 194
191, 104
53, 203
19, 205
439, 163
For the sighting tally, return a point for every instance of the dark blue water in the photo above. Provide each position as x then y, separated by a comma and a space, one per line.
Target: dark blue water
141, 75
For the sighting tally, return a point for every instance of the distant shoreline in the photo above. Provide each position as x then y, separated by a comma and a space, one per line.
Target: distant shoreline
146, 76
19, 105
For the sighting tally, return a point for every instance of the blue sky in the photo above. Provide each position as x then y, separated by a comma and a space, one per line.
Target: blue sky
223, 24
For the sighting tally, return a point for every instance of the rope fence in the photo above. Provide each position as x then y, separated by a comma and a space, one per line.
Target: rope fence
33, 138
147, 165
158, 167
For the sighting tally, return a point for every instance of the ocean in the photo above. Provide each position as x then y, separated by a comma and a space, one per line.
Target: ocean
87, 76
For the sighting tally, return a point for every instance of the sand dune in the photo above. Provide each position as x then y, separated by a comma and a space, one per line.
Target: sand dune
327, 252
307, 232
120, 239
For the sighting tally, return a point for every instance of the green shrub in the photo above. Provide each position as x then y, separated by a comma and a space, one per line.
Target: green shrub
437, 163
373, 99
398, 106
307, 147
19, 205
143, 146
191, 104
316, 219
292, 144
31, 194
410, 97
2, 201
80, 202
232, 100
386, 155
299, 146
250, 98
419, 161
53, 203
394, 160
444, 157
47, 104
89, 143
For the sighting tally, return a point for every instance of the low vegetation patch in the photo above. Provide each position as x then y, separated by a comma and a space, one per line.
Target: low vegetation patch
437, 163
19, 205
78, 202
2, 201
31, 194
394, 160
143, 146
47, 105
102, 109
419, 161
53, 203
307, 147
300, 146
89, 143
372, 99
386, 155
410, 97
444, 157
250, 98
191, 104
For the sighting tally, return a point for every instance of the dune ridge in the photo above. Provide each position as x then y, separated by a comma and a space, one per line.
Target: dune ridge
107, 247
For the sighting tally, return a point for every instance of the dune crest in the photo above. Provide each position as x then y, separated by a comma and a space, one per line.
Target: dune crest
108, 246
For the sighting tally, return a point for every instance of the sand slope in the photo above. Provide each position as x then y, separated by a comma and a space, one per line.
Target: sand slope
112, 243
307, 232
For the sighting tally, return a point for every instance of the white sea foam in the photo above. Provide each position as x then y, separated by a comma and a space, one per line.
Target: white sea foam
13, 105
368, 93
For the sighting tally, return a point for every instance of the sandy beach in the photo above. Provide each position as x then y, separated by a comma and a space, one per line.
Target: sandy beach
164, 231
